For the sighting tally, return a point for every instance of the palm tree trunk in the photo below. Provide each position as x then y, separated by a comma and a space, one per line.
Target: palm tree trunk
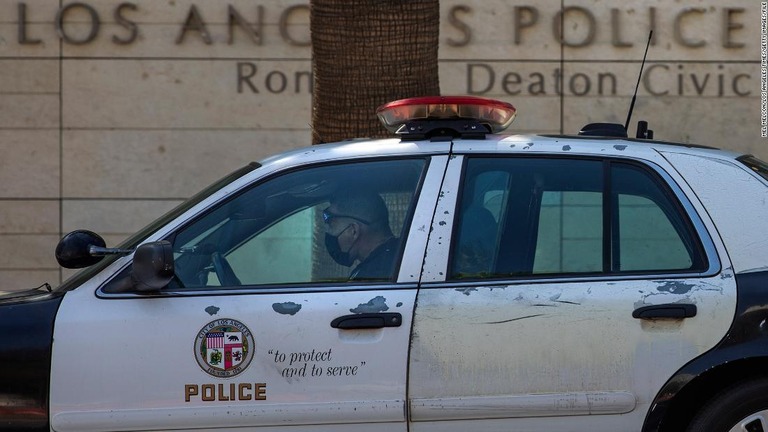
366, 53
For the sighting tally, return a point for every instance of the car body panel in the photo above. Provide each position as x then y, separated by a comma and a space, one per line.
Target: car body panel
523, 354
152, 341
738, 200
740, 356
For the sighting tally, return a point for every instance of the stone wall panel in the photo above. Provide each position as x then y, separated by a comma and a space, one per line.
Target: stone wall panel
166, 94
160, 41
28, 252
29, 216
167, 164
490, 30
113, 217
682, 30
28, 76
29, 166
29, 111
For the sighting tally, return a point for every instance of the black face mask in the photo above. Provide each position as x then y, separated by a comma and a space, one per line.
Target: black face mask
334, 249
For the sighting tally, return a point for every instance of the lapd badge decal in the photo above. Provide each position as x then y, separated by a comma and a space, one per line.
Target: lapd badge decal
224, 348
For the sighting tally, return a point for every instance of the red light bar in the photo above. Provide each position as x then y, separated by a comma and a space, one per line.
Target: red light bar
498, 115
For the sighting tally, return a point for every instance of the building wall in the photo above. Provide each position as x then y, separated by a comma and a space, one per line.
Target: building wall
112, 111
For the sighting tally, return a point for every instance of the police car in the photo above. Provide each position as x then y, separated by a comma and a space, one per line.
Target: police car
450, 279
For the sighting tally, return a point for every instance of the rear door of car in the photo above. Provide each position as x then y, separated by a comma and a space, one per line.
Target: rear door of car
274, 335
561, 291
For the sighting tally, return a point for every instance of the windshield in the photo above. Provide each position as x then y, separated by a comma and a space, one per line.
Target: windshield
136, 239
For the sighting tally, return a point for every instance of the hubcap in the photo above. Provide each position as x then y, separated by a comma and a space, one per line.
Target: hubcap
757, 422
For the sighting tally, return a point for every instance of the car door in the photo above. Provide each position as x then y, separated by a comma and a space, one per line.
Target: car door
259, 328
572, 289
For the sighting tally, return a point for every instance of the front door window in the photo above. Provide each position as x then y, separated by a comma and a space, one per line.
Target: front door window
331, 223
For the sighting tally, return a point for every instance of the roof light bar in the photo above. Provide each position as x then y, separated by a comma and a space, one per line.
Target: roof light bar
495, 114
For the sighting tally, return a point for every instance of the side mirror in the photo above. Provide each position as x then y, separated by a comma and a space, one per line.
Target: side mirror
152, 266
74, 249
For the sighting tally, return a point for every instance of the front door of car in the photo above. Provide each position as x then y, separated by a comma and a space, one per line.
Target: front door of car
532, 326
260, 327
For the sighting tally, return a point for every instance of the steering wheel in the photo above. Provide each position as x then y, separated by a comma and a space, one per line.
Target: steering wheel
224, 270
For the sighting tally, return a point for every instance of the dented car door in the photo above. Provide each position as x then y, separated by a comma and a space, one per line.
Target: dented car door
570, 289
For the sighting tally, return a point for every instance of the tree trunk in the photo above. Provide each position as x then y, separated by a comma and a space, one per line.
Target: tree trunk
366, 53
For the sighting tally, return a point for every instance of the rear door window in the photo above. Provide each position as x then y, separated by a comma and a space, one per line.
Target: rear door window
534, 216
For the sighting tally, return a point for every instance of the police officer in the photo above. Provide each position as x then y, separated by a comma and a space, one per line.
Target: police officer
357, 230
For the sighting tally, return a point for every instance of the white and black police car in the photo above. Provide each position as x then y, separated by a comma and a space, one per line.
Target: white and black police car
451, 279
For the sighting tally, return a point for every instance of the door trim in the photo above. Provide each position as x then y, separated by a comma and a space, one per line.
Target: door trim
513, 406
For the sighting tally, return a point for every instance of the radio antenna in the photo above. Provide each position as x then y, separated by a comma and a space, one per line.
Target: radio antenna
634, 96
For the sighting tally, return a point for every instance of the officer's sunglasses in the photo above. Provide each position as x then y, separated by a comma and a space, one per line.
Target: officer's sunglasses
328, 216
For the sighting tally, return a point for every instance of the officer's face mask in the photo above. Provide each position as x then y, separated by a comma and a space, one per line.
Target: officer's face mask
332, 241
334, 249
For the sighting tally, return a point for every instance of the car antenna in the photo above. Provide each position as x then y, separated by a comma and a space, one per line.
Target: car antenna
645, 132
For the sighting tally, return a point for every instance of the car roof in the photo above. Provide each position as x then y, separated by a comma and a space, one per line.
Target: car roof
600, 145
493, 143
355, 149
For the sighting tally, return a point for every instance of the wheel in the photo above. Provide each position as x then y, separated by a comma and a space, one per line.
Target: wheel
741, 408
223, 270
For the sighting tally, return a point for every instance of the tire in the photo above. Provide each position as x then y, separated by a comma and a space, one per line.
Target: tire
740, 408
